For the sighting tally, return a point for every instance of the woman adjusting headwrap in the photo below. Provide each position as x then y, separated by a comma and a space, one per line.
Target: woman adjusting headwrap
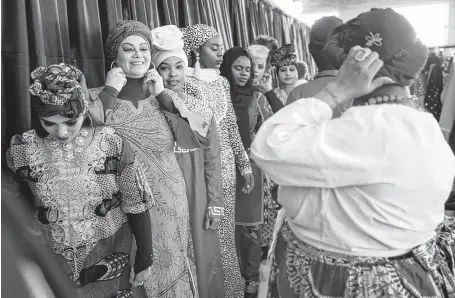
390, 35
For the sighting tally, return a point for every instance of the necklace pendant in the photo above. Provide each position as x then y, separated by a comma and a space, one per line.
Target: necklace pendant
53, 143
67, 147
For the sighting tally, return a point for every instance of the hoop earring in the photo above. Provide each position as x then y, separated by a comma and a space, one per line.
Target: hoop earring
112, 64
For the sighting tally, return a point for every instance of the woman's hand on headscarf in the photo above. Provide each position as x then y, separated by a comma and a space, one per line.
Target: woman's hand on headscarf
116, 78
153, 83
356, 77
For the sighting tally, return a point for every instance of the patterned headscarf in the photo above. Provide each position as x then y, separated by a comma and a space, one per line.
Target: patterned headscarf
196, 35
167, 42
390, 35
59, 88
284, 56
122, 30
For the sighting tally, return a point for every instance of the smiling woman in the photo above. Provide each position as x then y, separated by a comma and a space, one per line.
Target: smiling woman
131, 102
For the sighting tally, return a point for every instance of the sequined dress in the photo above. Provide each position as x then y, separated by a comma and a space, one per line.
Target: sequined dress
146, 130
91, 237
216, 91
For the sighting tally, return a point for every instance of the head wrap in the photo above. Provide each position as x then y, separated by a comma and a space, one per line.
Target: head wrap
390, 35
241, 97
196, 35
122, 30
318, 37
167, 42
258, 53
284, 56
60, 89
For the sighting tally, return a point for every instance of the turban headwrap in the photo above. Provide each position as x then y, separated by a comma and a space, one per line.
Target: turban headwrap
167, 42
258, 53
196, 35
390, 35
284, 56
122, 30
59, 88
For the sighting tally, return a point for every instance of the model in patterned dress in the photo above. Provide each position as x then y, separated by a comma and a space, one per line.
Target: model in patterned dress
204, 44
137, 116
89, 191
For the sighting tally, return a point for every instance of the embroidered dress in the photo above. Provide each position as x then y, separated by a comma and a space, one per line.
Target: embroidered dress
147, 131
215, 90
301, 270
81, 205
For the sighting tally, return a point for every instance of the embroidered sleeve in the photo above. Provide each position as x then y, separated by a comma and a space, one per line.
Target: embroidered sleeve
241, 157
135, 191
212, 170
23, 149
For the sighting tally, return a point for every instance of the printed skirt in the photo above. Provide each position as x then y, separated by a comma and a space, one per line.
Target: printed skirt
301, 270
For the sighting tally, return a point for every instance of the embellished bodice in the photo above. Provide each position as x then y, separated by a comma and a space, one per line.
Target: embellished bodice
79, 201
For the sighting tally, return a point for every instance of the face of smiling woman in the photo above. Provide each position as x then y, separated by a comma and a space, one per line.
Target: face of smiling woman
134, 56
172, 70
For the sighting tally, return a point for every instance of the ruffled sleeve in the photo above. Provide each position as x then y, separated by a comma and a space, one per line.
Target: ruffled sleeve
241, 157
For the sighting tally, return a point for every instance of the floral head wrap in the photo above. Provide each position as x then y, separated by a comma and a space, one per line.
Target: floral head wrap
122, 30
390, 35
258, 53
284, 56
59, 88
167, 42
196, 35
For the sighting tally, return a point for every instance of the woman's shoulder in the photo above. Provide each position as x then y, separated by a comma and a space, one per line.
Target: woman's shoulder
110, 141
21, 146
28, 137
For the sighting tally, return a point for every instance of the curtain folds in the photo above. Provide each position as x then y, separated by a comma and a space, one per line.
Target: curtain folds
42, 32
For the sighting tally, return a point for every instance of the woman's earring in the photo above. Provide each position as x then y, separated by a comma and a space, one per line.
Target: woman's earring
114, 66
197, 66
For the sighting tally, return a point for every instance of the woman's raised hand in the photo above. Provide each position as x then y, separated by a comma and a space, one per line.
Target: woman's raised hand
153, 83
356, 76
116, 78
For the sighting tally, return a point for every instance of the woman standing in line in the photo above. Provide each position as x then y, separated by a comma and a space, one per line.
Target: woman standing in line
204, 46
201, 167
130, 103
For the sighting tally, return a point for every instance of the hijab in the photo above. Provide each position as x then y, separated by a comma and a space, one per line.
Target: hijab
241, 97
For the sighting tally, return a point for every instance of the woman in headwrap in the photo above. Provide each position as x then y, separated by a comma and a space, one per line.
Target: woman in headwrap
265, 103
360, 222
237, 68
201, 167
284, 61
131, 102
89, 191
204, 45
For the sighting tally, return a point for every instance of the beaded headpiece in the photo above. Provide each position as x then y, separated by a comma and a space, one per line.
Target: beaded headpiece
284, 56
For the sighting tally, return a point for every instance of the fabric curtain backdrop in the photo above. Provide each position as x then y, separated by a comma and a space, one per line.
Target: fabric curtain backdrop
42, 32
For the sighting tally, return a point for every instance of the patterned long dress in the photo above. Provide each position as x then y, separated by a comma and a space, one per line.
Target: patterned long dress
217, 93
77, 210
270, 188
148, 133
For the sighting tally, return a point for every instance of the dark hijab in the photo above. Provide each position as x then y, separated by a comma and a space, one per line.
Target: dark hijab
241, 97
